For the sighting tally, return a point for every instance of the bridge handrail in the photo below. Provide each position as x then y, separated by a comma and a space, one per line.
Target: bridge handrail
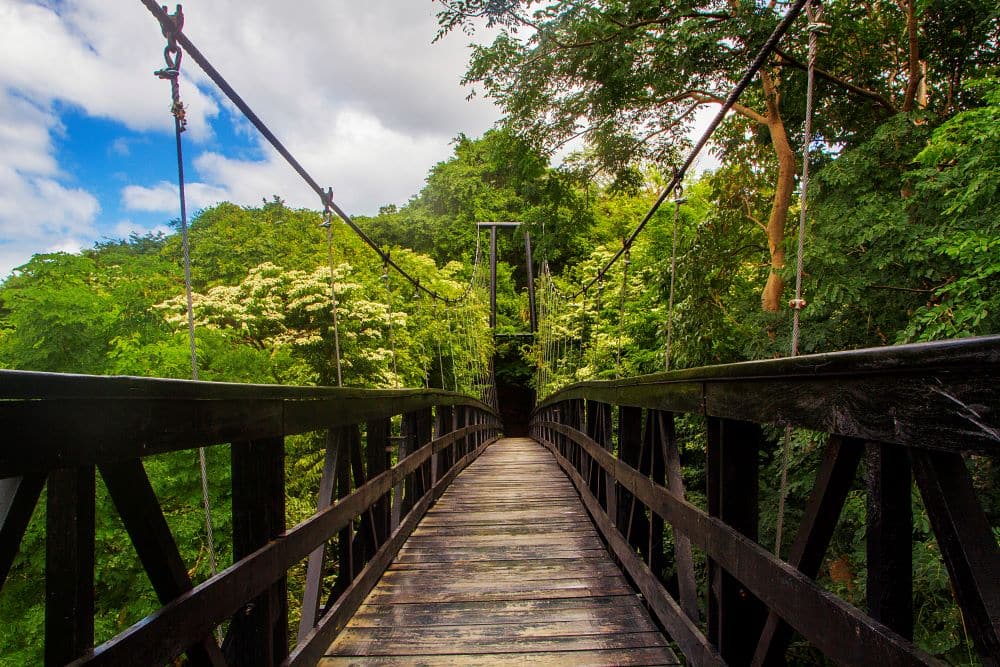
915, 406
51, 416
60, 429
941, 394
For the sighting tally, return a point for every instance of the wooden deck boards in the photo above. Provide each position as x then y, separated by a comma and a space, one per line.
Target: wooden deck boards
505, 569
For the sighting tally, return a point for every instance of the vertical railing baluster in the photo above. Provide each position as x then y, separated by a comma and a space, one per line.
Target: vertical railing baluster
599, 430
629, 446
683, 559
379, 454
258, 632
69, 564
396, 512
656, 557
423, 434
889, 537
345, 538
440, 461
409, 444
735, 616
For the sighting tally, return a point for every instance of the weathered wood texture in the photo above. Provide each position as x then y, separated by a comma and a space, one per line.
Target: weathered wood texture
929, 404
506, 568
938, 395
840, 631
144, 416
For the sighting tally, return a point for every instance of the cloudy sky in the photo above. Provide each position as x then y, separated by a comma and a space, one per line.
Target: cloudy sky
356, 91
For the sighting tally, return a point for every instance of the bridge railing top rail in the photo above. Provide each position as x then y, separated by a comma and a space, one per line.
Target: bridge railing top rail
939, 395
63, 420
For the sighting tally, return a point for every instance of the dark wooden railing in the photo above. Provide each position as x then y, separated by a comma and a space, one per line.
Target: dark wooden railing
59, 428
919, 408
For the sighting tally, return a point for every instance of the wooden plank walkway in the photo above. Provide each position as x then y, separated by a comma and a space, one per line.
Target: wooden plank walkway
506, 568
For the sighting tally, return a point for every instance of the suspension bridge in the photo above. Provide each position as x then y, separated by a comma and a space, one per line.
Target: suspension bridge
444, 536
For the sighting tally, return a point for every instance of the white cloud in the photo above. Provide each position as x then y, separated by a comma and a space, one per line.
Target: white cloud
37, 212
364, 162
94, 55
356, 90
164, 198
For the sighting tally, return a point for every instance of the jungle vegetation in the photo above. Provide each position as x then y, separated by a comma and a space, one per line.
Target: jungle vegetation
903, 245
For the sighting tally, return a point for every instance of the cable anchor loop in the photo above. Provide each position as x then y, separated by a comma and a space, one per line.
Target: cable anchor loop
814, 12
172, 55
327, 209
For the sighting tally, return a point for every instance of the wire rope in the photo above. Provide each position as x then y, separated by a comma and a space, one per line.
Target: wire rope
758, 62
391, 337
173, 31
621, 314
172, 55
328, 224
815, 12
678, 191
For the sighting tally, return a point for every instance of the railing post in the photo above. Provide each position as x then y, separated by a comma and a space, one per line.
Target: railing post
599, 430
651, 464
396, 504
258, 632
735, 616
686, 583
69, 564
423, 434
629, 447
409, 444
379, 454
889, 538
440, 462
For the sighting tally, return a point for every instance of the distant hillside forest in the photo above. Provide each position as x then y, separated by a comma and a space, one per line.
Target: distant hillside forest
903, 244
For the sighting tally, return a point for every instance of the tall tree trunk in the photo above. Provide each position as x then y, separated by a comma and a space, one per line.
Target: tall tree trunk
783, 186
915, 70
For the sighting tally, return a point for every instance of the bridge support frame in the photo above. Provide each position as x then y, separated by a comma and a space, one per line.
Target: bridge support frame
735, 616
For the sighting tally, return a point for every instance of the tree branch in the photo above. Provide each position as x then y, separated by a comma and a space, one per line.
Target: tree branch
744, 111
790, 61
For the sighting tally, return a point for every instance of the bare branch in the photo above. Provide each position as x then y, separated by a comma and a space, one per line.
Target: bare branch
787, 60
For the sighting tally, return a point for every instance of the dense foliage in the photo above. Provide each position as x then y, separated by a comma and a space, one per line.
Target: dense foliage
903, 244
263, 314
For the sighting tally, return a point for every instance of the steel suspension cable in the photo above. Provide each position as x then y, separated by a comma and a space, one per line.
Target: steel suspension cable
328, 223
543, 323
175, 33
451, 349
678, 191
595, 333
172, 56
758, 62
621, 313
392, 338
814, 11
